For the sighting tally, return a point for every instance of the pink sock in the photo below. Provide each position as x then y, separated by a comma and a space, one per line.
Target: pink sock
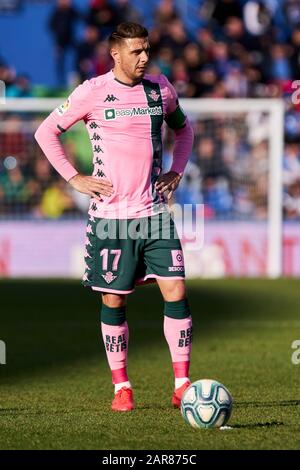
178, 333
115, 340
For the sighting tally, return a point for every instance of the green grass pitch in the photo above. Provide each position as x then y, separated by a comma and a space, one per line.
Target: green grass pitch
55, 390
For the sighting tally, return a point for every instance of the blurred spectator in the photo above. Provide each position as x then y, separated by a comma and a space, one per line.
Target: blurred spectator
13, 190
292, 125
291, 201
222, 10
295, 55
180, 77
85, 52
292, 12
221, 58
206, 41
236, 84
216, 196
43, 173
61, 24
280, 68
56, 201
193, 60
164, 61
13, 140
259, 197
126, 12
174, 36
20, 88
207, 80
209, 159
102, 61
155, 41
235, 34
7, 75
104, 16
291, 162
189, 190
164, 13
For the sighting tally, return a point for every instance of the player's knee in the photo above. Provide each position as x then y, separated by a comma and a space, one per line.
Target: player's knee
174, 290
114, 300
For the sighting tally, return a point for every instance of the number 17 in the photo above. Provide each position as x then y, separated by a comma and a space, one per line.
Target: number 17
104, 254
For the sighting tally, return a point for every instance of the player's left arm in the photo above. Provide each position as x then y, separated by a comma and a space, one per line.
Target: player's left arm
184, 137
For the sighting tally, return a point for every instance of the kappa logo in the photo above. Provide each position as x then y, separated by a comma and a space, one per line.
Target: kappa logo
86, 254
100, 173
110, 98
108, 277
89, 229
87, 242
154, 95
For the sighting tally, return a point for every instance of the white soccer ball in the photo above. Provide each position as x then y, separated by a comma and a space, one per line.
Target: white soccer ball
206, 404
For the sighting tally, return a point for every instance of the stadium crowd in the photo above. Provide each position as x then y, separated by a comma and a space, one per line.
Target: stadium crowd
235, 49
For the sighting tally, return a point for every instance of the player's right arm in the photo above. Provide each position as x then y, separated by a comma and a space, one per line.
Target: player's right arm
77, 107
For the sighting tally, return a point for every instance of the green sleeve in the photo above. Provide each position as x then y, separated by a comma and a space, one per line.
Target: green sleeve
176, 120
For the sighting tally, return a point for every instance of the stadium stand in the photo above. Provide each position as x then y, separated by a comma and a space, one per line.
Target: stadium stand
208, 49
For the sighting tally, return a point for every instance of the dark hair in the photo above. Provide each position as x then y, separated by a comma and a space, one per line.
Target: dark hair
127, 30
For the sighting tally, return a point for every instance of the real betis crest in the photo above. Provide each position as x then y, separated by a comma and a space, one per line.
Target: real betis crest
154, 95
109, 277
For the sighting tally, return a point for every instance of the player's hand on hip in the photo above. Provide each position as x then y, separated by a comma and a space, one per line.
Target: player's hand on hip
92, 186
168, 182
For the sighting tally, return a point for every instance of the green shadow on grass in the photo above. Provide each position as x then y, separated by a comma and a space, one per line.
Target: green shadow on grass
47, 324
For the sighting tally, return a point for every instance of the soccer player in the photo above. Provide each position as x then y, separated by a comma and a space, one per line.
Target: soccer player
124, 111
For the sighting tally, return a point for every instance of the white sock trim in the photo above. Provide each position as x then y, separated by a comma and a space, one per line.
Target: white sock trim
122, 384
181, 381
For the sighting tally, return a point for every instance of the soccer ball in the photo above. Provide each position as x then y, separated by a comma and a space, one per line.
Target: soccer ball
206, 404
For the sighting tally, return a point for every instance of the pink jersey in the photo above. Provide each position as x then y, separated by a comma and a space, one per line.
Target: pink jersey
124, 125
